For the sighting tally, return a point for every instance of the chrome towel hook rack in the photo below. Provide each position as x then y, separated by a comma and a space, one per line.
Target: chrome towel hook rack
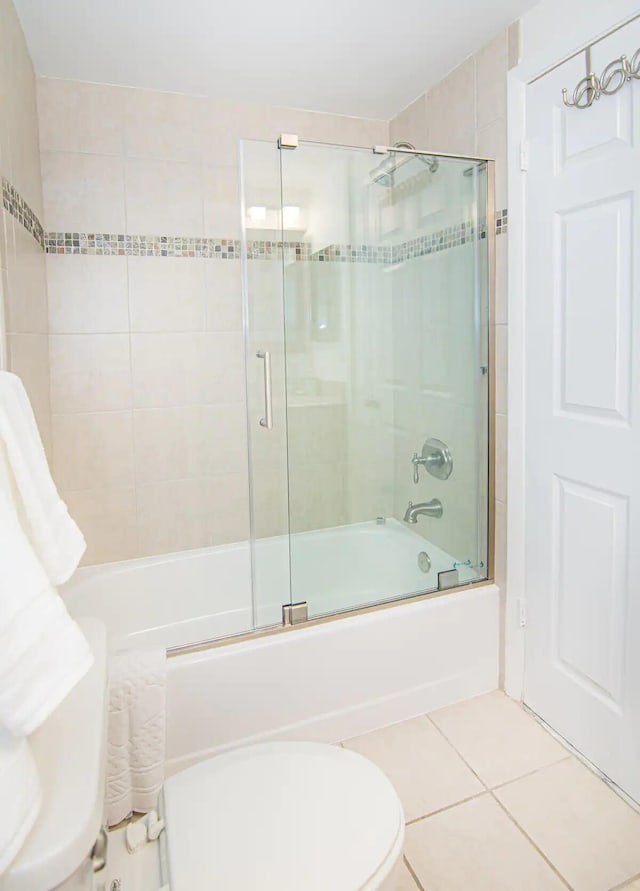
613, 78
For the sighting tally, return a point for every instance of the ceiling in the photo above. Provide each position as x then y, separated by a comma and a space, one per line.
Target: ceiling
368, 59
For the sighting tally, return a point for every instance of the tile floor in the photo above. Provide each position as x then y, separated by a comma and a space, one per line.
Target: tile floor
494, 803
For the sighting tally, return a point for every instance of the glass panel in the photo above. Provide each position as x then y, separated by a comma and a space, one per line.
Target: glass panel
264, 340
385, 349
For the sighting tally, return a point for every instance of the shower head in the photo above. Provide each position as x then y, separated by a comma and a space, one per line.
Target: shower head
383, 174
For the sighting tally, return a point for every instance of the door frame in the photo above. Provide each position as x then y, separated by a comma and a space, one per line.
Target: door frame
551, 36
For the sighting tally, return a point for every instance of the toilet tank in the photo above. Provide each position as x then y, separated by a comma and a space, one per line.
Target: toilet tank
70, 753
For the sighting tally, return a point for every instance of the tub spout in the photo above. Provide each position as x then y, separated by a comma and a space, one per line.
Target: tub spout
431, 508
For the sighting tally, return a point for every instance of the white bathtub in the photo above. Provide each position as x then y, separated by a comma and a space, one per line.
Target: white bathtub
323, 682
185, 598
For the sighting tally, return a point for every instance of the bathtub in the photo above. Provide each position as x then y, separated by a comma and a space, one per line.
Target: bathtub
324, 681
185, 598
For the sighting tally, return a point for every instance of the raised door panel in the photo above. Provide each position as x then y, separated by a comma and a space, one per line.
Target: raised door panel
589, 586
593, 248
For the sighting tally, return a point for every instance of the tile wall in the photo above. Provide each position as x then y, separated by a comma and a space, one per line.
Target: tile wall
147, 361
23, 287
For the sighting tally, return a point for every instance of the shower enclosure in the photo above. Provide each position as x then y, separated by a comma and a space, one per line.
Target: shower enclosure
366, 280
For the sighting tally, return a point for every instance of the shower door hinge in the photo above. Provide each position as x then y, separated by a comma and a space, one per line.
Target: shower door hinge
294, 613
522, 610
288, 141
524, 155
448, 579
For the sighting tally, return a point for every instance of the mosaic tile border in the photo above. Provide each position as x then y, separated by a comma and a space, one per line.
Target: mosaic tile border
118, 244
14, 203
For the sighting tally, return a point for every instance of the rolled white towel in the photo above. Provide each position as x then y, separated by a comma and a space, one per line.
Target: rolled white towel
137, 732
19, 793
54, 536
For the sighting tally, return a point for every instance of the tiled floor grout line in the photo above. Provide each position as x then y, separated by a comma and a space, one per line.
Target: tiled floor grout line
447, 807
412, 873
553, 867
625, 884
490, 791
634, 805
459, 754
531, 773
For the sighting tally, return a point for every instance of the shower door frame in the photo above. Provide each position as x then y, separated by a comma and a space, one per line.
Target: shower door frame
280, 628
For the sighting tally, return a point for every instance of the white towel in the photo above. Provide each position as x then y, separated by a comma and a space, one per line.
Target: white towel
55, 538
43, 653
137, 731
19, 793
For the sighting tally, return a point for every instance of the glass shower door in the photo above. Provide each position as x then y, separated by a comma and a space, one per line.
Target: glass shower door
386, 357
263, 258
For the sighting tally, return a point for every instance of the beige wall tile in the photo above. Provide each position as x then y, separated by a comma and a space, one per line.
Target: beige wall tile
26, 286
82, 193
29, 359
223, 296
492, 143
168, 443
228, 507
223, 439
90, 372
317, 433
187, 384
451, 110
317, 496
223, 365
166, 293
344, 130
80, 117
163, 198
93, 450
107, 518
23, 295
165, 126
187, 368
412, 125
223, 125
190, 441
172, 516
19, 113
221, 194
167, 369
87, 295
501, 315
492, 80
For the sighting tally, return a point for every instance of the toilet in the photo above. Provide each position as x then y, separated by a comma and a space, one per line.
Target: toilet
276, 816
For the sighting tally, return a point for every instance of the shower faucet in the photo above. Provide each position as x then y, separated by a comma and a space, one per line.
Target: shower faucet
431, 508
436, 458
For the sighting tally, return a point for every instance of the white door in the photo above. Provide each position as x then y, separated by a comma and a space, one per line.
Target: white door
582, 668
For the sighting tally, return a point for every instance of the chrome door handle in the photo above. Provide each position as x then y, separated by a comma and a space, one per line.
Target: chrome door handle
267, 421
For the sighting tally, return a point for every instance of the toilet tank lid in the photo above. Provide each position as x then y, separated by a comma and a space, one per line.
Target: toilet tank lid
69, 749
